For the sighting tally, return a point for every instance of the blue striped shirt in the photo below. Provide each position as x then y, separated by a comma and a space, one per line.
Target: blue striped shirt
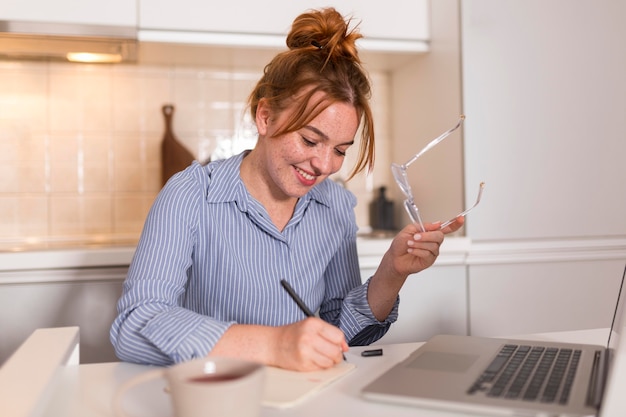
209, 256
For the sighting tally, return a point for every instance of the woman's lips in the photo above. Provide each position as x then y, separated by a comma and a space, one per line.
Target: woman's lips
305, 178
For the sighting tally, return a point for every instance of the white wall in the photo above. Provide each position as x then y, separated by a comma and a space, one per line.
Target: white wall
544, 88
542, 85
545, 94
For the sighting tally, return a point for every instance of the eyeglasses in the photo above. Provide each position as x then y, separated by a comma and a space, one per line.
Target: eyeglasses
399, 174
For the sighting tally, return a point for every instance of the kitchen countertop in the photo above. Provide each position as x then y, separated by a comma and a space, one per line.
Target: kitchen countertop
78, 257
65, 256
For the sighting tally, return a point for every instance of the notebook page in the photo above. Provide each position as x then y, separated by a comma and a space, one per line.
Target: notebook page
285, 388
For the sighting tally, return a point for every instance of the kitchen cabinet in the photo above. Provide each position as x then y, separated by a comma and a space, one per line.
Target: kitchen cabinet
431, 302
500, 290
84, 297
396, 25
478, 289
544, 127
110, 12
538, 297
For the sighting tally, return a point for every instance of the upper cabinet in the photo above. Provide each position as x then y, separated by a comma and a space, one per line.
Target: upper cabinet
94, 12
399, 25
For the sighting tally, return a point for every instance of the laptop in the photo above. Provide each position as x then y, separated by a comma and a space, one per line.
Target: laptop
494, 376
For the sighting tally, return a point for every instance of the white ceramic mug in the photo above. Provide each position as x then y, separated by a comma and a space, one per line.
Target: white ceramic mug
211, 386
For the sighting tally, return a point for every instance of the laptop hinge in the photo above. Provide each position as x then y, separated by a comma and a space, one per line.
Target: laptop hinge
598, 378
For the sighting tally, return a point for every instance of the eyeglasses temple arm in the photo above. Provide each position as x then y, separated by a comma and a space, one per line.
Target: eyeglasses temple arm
434, 142
480, 193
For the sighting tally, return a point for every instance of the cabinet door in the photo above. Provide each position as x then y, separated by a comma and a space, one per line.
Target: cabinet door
431, 302
545, 127
542, 297
394, 19
83, 297
110, 12
397, 19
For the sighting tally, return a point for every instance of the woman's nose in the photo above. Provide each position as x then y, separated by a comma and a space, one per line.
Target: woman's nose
323, 162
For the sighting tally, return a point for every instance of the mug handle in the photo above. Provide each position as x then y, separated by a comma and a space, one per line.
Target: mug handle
118, 409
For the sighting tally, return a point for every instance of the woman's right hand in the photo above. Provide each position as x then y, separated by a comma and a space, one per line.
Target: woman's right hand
306, 345
309, 345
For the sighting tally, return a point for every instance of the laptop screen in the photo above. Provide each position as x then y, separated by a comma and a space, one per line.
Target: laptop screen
617, 325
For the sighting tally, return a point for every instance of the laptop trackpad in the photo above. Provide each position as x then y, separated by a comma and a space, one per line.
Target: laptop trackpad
441, 361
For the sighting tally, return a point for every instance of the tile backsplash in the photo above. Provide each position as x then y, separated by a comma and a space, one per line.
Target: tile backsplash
80, 144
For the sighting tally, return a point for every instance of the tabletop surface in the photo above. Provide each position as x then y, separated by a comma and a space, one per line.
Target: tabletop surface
89, 389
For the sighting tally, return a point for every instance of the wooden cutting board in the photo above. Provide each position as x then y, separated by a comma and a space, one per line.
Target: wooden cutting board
174, 155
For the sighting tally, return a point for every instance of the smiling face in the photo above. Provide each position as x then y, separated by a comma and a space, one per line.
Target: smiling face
289, 165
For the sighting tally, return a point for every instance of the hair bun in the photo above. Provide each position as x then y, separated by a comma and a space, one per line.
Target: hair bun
325, 30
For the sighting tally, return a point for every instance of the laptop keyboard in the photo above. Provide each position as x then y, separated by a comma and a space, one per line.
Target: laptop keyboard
530, 373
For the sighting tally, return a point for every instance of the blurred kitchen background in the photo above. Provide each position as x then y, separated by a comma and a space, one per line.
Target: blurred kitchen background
541, 84
80, 144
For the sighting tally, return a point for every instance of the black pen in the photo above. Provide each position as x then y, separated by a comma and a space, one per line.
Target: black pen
295, 297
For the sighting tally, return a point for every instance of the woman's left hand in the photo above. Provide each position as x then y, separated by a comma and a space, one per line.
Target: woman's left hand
413, 251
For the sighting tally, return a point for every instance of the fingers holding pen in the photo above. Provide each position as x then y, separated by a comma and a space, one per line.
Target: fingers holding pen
334, 343
311, 344
322, 342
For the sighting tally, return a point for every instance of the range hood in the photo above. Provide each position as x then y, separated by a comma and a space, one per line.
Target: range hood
61, 42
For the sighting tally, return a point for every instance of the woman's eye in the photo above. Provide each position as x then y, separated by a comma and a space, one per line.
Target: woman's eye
311, 144
308, 142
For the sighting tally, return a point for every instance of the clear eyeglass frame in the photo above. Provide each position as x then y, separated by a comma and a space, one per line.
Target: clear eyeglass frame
399, 174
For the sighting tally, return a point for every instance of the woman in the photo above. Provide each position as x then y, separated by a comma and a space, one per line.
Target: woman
205, 278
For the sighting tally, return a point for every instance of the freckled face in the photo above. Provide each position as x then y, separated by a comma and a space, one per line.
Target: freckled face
296, 161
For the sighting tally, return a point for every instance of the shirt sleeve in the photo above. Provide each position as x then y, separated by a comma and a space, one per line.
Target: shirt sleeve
152, 327
346, 304
359, 323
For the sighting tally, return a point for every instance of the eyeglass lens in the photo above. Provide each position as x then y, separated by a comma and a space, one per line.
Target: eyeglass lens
399, 174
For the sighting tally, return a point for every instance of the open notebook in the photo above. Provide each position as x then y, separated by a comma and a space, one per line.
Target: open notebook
285, 388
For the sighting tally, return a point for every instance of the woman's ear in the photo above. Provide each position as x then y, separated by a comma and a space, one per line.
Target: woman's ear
262, 119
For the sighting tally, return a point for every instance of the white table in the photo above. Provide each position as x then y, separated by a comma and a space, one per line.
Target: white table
88, 390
